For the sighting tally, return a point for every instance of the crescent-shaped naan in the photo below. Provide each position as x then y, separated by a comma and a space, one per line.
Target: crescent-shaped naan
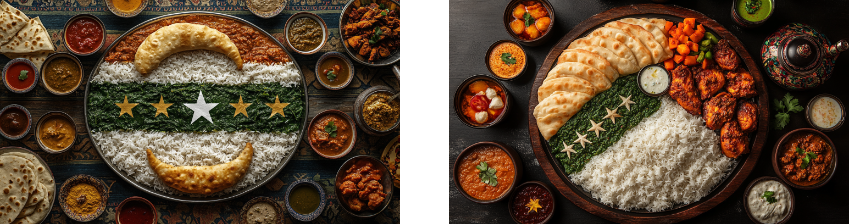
622, 65
554, 111
582, 71
643, 56
615, 46
564, 84
182, 37
589, 58
657, 33
203, 179
645, 38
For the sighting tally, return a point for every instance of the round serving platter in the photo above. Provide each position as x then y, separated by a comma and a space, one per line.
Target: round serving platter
8, 149
187, 199
583, 199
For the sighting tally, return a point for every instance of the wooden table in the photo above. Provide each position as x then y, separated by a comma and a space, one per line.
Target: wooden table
475, 24
306, 164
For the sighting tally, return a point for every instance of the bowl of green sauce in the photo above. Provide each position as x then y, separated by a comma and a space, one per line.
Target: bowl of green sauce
305, 200
751, 13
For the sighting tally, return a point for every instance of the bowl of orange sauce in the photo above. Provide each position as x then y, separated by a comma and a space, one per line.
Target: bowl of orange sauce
502, 168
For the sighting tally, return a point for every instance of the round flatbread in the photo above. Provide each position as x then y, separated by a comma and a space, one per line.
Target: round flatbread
642, 54
582, 71
46, 180
564, 84
554, 111
590, 58
13, 186
622, 65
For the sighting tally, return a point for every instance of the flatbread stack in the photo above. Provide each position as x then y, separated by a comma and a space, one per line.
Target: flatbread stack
22, 37
590, 64
29, 195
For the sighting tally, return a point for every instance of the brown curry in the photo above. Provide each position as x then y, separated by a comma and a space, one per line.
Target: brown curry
323, 141
62, 75
792, 161
57, 133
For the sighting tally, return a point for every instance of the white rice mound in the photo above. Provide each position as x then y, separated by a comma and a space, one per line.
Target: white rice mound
126, 150
216, 68
669, 158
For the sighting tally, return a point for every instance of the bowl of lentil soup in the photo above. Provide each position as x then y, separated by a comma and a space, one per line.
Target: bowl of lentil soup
61, 74
83, 197
804, 158
305, 33
497, 160
375, 113
506, 60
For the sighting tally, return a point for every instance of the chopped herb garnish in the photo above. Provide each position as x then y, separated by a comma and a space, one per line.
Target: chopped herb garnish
384, 13
331, 129
783, 107
507, 58
376, 36
23, 75
768, 196
807, 159
487, 174
331, 75
753, 6
528, 19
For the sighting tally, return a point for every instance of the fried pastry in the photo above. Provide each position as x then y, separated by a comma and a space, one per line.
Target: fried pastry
203, 179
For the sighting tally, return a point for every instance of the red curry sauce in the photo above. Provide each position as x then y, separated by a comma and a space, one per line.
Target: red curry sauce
136, 212
84, 35
521, 210
254, 45
818, 168
323, 142
14, 72
495, 158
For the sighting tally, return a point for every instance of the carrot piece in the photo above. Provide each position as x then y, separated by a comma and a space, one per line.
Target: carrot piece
683, 50
672, 43
681, 25
694, 46
683, 39
690, 60
688, 30
697, 36
679, 58
667, 26
700, 28
705, 63
669, 64
691, 21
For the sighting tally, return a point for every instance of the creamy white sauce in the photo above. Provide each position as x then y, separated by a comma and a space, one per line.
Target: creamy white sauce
654, 80
826, 112
766, 212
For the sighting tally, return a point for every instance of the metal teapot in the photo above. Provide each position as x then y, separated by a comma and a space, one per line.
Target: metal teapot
798, 57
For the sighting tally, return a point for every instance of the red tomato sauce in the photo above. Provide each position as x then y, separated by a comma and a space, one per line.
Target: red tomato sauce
84, 35
135, 212
14, 72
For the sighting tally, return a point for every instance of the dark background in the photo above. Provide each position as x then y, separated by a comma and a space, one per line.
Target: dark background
475, 24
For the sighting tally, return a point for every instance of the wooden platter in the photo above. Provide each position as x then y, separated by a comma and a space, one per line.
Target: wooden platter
576, 194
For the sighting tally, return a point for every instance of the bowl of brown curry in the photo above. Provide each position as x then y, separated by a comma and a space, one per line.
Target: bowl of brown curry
804, 158
61, 74
56, 132
376, 112
363, 175
332, 134
306, 33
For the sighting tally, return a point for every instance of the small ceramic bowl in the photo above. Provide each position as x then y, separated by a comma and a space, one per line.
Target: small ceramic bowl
490, 51
517, 160
811, 105
78, 179
359, 106
778, 151
391, 156
350, 124
386, 182
347, 63
39, 128
458, 101
243, 215
322, 200
314, 17
80, 16
56, 56
508, 17
29, 122
35, 75
136, 199
394, 57
640, 80
266, 14
766, 178
746, 23
520, 187
126, 14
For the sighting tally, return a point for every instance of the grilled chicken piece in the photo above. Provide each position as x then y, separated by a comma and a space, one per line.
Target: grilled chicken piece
747, 116
733, 142
741, 84
718, 110
725, 56
709, 81
682, 90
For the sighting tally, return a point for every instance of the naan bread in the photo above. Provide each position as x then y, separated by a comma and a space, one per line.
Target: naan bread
32, 38
582, 71
617, 47
622, 65
564, 84
183, 37
642, 55
12, 20
657, 33
554, 111
657, 22
45, 180
37, 58
645, 37
14, 175
203, 179
589, 58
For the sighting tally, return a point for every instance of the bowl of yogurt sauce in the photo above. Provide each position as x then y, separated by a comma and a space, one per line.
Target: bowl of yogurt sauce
654, 80
768, 200
825, 112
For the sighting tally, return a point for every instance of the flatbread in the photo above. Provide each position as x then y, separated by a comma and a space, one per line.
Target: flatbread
622, 65
37, 195
13, 186
642, 54
615, 46
554, 111
657, 22
589, 58
582, 71
183, 37
644, 36
564, 84
32, 38
657, 34
37, 58
12, 20
203, 179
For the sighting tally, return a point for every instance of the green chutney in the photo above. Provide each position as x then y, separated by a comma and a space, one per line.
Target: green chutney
304, 199
759, 15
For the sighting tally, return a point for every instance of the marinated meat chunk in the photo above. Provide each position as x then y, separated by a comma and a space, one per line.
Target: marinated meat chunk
682, 90
725, 56
709, 82
747, 116
718, 110
741, 84
733, 142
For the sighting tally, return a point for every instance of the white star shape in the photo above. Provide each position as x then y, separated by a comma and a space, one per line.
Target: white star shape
626, 101
568, 149
596, 127
611, 114
201, 108
582, 139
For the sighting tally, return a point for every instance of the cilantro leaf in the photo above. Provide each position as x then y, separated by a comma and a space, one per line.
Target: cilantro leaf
331, 129
780, 121
23, 75
783, 107
331, 75
799, 150
807, 159
508, 59
768, 196
528, 19
376, 36
487, 174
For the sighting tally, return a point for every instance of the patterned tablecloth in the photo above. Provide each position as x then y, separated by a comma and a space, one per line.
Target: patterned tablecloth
84, 159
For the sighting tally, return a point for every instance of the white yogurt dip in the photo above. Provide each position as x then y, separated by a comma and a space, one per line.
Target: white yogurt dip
654, 79
761, 209
825, 112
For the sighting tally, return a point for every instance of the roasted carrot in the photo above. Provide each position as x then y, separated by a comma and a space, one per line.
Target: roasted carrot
691, 21
700, 28
683, 49
690, 60
679, 58
697, 36
694, 46
669, 64
704, 63
683, 39
667, 26
688, 30
672, 43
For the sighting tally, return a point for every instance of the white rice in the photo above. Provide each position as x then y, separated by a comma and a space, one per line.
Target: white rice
217, 68
669, 158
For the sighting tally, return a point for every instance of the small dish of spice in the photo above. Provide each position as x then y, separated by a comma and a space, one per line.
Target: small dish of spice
84, 34
266, 8
62, 74
334, 71
135, 210
506, 60
305, 33
332, 134
825, 112
20, 75
376, 112
126, 8
531, 203
768, 200
15, 121
261, 210
56, 132
83, 197
305, 200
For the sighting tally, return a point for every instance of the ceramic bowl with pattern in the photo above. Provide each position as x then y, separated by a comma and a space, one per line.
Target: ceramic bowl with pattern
83, 179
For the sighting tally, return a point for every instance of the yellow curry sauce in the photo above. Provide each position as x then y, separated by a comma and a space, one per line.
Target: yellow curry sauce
62, 74
339, 69
322, 140
126, 5
514, 60
57, 132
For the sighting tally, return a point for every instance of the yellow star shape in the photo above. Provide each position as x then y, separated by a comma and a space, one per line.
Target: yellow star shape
241, 108
277, 107
126, 107
533, 204
161, 107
